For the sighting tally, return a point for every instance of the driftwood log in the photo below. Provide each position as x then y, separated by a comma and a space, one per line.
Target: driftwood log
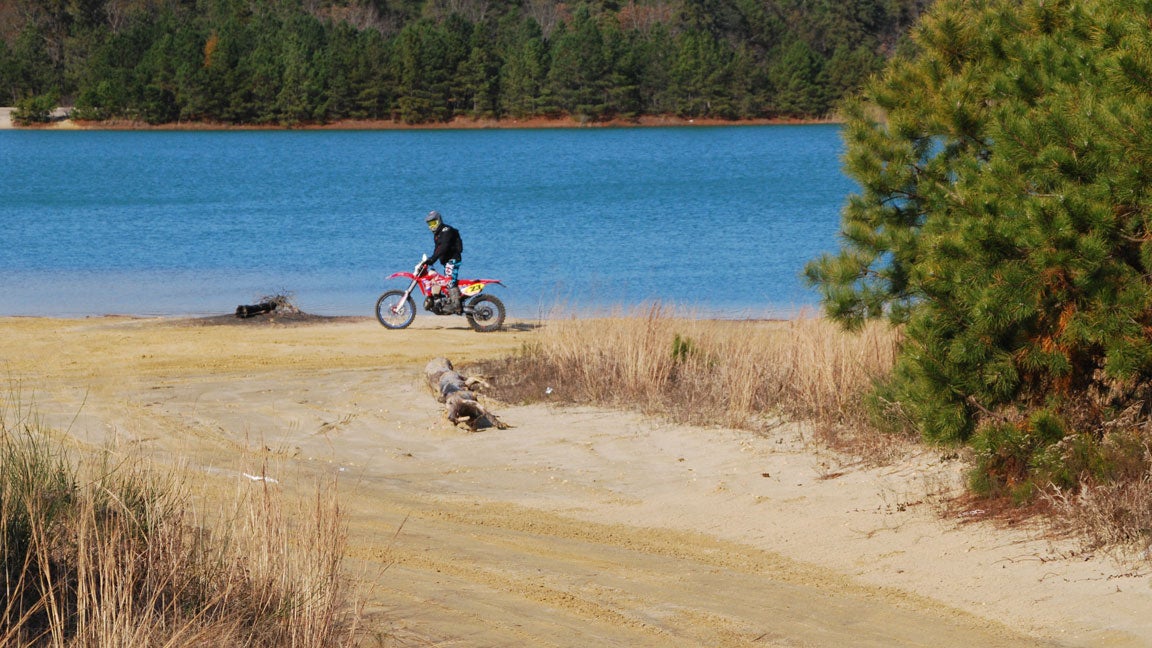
253, 310
459, 395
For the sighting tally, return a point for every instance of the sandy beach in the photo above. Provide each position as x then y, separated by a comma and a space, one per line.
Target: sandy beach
576, 526
61, 121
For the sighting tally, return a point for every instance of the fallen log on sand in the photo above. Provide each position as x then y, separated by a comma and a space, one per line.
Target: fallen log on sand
252, 310
459, 395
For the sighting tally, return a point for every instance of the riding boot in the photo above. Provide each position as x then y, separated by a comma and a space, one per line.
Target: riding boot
454, 300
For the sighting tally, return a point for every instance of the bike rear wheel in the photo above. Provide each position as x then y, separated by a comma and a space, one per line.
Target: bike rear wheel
487, 313
394, 310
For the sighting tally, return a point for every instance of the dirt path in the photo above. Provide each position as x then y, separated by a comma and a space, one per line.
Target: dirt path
575, 527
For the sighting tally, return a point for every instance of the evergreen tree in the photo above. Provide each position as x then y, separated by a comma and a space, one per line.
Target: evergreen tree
717, 18
654, 55
622, 87
701, 76
524, 71
457, 46
33, 70
765, 27
155, 82
848, 24
8, 87
800, 83
215, 83
426, 71
848, 68
751, 86
578, 73
343, 54
306, 63
480, 74
1005, 219
359, 86
116, 89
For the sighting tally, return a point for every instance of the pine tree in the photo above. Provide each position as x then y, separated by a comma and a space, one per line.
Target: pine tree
7, 75
524, 71
799, 82
479, 76
426, 72
1005, 220
579, 70
701, 76
306, 64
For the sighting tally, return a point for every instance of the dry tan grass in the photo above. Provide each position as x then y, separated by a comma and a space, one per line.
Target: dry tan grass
756, 374
106, 551
1112, 517
745, 374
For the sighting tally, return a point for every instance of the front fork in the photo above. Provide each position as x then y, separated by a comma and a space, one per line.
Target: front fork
404, 300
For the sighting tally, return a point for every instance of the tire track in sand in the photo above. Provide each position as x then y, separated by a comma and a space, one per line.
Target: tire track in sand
495, 574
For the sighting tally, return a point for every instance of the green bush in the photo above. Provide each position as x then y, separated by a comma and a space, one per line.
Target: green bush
36, 109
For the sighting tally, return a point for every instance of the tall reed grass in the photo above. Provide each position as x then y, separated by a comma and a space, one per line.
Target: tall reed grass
756, 374
106, 552
745, 374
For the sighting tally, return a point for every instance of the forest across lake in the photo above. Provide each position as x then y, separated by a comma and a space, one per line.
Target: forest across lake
430, 61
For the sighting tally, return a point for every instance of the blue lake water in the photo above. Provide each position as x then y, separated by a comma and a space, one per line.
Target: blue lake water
717, 220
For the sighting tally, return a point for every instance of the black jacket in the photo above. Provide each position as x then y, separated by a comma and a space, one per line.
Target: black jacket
449, 245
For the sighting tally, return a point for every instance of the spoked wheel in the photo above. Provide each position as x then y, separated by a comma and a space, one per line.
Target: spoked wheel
487, 313
395, 311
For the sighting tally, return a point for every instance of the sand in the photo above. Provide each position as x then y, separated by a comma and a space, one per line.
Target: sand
576, 526
62, 121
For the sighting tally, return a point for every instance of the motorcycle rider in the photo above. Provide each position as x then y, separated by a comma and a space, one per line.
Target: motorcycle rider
449, 247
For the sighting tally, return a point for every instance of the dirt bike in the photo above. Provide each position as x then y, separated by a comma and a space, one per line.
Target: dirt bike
395, 309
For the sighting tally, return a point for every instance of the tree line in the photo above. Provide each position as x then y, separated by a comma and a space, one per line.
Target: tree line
290, 62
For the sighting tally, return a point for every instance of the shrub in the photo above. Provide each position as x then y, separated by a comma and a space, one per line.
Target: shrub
36, 109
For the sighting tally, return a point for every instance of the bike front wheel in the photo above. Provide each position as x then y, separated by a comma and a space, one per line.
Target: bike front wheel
394, 310
487, 313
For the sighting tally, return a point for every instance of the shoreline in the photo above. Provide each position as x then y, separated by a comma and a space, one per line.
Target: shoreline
303, 318
62, 122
